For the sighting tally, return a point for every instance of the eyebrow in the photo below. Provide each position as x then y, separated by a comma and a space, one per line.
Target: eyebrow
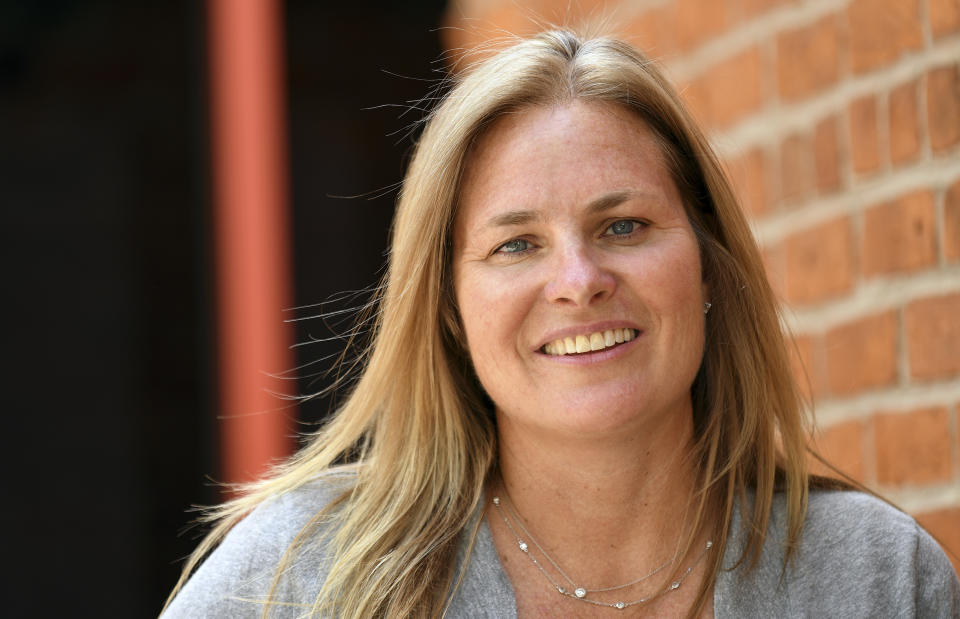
598, 205
610, 200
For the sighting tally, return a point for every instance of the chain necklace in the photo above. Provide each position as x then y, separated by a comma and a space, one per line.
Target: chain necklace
579, 592
516, 517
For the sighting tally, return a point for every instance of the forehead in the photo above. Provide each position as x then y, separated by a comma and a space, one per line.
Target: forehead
561, 156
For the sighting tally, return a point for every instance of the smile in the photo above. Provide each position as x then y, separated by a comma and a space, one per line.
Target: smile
589, 342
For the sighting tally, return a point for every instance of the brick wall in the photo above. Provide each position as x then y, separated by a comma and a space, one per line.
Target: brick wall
840, 124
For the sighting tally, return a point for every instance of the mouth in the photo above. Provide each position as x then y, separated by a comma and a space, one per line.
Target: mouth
589, 342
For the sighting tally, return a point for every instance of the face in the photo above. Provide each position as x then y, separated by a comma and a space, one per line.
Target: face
577, 273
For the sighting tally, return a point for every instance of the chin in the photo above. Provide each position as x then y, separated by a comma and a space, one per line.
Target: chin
584, 420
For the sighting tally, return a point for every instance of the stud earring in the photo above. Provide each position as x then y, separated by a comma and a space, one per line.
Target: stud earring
706, 307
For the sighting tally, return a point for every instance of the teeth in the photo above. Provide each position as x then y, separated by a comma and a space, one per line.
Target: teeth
596, 341
583, 344
589, 342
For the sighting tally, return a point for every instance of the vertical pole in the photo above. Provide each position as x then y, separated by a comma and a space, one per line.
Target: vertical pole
251, 227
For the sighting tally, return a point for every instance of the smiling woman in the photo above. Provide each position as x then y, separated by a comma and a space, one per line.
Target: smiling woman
551, 420
604, 245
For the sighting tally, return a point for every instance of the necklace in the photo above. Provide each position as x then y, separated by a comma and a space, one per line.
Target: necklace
579, 592
516, 517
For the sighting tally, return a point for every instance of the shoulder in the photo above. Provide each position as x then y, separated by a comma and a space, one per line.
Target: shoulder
236, 578
857, 556
879, 550
285, 514
844, 520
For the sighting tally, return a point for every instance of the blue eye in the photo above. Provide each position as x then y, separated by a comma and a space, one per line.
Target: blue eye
514, 246
623, 227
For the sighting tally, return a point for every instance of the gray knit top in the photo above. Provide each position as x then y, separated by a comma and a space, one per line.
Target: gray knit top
858, 557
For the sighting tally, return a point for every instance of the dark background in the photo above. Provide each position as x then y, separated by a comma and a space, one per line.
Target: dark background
109, 396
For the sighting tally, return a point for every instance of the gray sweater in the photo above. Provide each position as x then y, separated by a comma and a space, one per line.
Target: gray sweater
858, 557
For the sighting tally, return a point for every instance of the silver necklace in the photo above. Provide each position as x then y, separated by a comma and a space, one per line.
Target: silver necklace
579, 592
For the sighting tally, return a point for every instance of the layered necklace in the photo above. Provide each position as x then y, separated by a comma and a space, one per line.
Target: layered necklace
579, 592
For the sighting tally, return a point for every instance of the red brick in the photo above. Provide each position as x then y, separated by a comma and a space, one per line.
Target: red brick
912, 447
826, 151
951, 223
944, 525
500, 17
900, 236
862, 354
729, 90
806, 361
474, 31
751, 8
694, 96
943, 107
944, 17
773, 264
698, 21
819, 262
933, 337
800, 349
570, 12
748, 173
842, 446
882, 30
654, 31
807, 58
864, 137
904, 131
797, 175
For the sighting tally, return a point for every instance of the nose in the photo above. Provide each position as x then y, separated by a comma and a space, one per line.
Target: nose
578, 278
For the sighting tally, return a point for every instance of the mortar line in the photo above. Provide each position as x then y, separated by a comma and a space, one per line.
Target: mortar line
792, 117
954, 432
931, 174
753, 32
928, 498
894, 400
872, 297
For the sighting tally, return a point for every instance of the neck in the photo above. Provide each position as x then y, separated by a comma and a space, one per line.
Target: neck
613, 504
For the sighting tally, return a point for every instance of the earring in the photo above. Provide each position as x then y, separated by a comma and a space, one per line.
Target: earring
706, 307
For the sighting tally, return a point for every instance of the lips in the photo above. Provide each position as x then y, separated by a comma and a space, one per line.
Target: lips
589, 342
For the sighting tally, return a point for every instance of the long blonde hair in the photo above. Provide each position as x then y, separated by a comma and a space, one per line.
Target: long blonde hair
417, 422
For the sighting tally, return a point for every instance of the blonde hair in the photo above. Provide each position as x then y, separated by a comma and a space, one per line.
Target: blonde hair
417, 421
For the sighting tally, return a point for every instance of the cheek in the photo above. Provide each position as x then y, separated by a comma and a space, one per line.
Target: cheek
493, 310
675, 277
478, 313
475, 308
482, 307
676, 291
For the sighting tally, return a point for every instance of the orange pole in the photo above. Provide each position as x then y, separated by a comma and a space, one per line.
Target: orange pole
251, 226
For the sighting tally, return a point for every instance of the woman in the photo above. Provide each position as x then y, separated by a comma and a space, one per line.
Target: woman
578, 399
